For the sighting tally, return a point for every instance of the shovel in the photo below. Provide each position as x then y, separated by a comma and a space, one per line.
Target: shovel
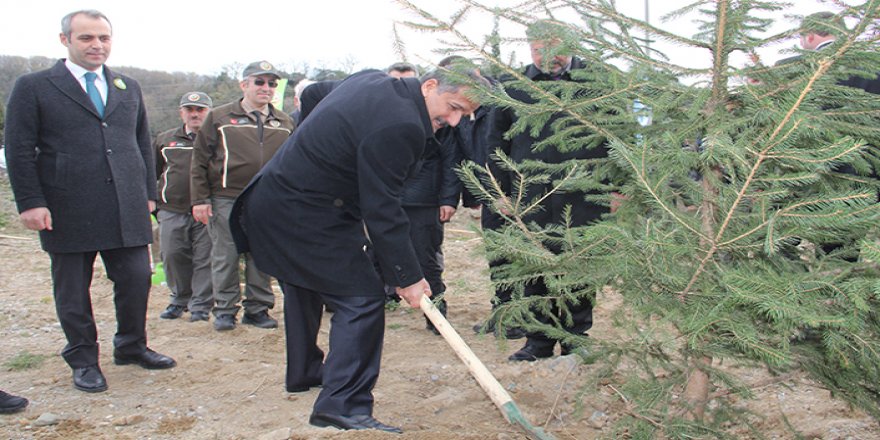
487, 381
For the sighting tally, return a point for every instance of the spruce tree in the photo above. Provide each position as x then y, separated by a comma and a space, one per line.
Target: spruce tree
747, 235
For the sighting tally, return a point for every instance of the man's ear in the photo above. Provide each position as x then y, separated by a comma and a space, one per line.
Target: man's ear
811, 38
63, 39
429, 85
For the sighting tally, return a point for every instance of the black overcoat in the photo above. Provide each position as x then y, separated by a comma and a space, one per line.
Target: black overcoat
521, 148
94, 174
303, 216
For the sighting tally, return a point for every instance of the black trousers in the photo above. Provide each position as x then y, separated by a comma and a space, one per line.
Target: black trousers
581, 313
351, 368
129, 269
426, 234
490, 221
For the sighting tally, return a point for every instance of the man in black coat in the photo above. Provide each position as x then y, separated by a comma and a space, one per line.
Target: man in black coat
82, 170
303, 218
817, 33
547, 67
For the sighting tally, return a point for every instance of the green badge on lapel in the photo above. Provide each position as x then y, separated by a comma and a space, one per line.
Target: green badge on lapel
119, 83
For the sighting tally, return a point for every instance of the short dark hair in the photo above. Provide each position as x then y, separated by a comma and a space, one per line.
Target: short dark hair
402, 68
65, 22
451, 59
822, 23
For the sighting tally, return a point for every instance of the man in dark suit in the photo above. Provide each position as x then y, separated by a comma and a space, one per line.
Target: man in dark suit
548, 65
81, 167
304, 215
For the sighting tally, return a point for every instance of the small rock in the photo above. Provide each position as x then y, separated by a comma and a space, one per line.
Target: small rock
128, 420
278, 434
435, 378
599, 419
564, 363
47, 419
511, 387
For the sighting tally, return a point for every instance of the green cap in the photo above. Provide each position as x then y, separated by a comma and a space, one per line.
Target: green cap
196, 99
260, 68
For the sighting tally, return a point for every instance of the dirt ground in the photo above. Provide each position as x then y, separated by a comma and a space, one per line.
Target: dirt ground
231, 385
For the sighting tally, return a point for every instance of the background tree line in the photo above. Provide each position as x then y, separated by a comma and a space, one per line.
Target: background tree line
162, 90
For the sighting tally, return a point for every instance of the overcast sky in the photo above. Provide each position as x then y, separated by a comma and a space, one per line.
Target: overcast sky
204, 36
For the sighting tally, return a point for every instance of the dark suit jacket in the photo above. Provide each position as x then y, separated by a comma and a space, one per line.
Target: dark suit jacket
303, 215
434, 182
94, 174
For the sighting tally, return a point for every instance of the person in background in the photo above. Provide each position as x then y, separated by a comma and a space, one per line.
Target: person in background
547, 65
185, 244
236, 140
297, 99
430, 198
402, 70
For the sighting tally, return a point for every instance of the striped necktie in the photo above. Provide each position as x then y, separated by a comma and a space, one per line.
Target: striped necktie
92, 91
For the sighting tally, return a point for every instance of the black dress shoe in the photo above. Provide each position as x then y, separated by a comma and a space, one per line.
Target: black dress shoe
89, 379
173, 311
11, 404
301, 388
259, 320
442, 307
484, 327
531, 352
198, 316
430, 327
149, 359
513, 333
360, 421
224, 322
509, 332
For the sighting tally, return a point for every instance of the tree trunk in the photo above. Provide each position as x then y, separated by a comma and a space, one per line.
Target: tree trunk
696, 392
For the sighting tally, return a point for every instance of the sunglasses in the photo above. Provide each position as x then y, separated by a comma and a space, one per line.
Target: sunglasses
259, 82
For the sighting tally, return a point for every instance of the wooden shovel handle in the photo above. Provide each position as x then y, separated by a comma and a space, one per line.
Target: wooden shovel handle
487, 381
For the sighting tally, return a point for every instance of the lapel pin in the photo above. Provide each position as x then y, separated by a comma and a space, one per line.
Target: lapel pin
119, 83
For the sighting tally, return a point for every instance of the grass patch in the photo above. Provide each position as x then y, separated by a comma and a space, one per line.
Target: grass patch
25, 361
395, 326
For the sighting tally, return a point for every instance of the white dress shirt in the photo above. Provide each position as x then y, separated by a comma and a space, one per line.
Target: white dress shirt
79, 73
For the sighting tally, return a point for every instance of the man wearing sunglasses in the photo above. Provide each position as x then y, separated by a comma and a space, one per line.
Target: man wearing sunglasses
234, 143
